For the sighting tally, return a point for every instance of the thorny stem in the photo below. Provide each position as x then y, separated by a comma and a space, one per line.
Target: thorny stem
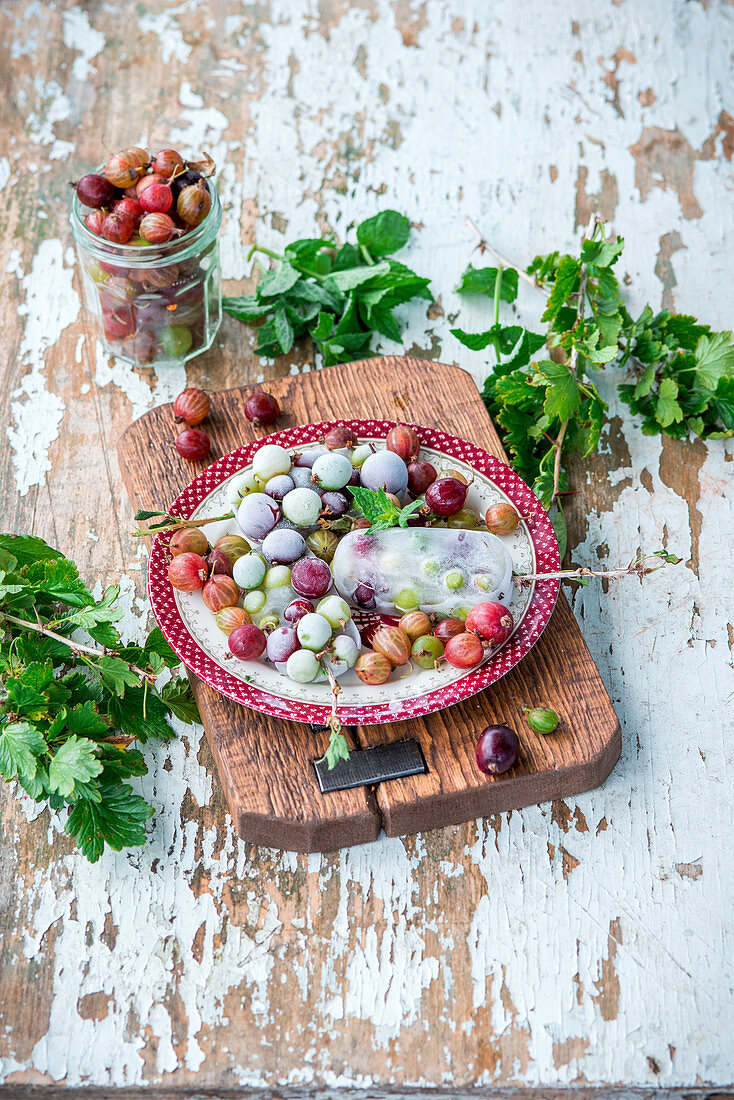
177, 524
484, 246
77, 647
636, 568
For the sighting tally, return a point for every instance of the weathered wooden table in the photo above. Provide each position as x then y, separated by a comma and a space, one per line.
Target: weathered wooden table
586, 943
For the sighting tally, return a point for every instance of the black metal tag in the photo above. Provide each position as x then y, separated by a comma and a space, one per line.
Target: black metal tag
375, 765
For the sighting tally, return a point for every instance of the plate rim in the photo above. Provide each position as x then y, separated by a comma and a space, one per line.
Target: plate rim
536, 617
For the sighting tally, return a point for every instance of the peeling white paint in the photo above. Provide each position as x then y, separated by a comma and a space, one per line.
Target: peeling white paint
81, 36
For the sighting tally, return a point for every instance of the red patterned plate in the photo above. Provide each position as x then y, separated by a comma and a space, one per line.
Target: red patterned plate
191, 630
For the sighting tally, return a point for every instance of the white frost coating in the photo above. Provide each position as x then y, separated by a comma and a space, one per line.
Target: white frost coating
50, 305
80, 35
168, 33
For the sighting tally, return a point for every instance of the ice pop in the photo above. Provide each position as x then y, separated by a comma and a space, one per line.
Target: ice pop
442, 570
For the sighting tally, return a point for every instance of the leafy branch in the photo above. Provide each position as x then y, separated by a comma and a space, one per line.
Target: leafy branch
680, 373
71, 712
640, 566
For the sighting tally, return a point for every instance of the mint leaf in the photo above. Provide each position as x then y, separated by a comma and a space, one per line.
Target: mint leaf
354, 276
477, 341
483, 280
283, 330
246, 307
372, 503
385, 233
273, 283
20, 744
74, 762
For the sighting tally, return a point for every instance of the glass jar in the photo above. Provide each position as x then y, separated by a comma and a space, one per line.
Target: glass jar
153, 303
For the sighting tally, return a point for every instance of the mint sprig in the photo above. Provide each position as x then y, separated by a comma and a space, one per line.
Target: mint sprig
340, 296
381, 512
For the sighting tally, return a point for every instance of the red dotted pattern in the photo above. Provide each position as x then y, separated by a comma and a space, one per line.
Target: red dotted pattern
533, 623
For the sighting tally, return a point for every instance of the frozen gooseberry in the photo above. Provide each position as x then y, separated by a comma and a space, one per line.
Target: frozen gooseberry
541, 719
247, 642
302, 666
314, 631
454, 579
262, 408
361, 453
427, 650
393, 643
281, 643
373, 668
220, 591
302, 507
249, 570
282, 546
406, 600
278, 486
296, 609
464, 650
257, 515
188, 540
385, 470
193, 444
490, 621
364, 595
271, 460
229, 618
311, 577
240, 487
334, 504
187, 572
342, 654
339, 437
335, 610
497, 750
414, 624
254, 601
192, 406
501, 518
403, 441
277, 576
331, 471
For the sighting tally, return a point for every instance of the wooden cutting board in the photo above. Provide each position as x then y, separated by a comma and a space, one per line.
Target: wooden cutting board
266, 764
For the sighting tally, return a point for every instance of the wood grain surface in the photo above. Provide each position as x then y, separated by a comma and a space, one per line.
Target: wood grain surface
266, 764
584, 944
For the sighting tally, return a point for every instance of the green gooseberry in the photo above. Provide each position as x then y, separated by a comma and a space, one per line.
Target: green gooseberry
541, 719
176, 340
454, 579
426, 651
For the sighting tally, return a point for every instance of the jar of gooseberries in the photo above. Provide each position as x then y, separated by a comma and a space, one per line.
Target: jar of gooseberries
153, 303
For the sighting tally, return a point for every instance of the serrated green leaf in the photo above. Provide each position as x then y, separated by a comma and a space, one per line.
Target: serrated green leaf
562, 396
179, 698
74, 762
724, 402
20, 744
337, 749
714, 357
28, 549
273, 283
645, 382
667, 408
476, 341
352, 277
244, 307
283, 330
602, 253
117, 820
116, 674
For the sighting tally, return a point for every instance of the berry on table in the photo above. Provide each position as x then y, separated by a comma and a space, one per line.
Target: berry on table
541, 719
497, 750
193, 444
192, 406
262, 408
